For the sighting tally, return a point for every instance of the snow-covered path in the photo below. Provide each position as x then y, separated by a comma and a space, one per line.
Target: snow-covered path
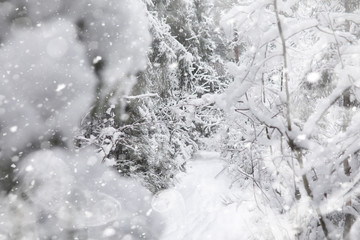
195, 209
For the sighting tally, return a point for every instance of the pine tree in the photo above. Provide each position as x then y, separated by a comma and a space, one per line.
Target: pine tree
166, 112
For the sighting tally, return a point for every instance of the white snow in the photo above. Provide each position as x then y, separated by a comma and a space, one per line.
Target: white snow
48, 49
60, 87
117, 33
37, 104
13, 129
46, 86
57, 47
200, 207
109, 232
90, 196
313, 77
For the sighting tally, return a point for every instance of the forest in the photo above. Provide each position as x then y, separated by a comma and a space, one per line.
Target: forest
180, 119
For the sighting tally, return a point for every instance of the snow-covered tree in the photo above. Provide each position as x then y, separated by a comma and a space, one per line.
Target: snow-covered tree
48, 188
291, 85
167, 110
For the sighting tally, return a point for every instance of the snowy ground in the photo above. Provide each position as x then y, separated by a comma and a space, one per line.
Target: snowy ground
198, 207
